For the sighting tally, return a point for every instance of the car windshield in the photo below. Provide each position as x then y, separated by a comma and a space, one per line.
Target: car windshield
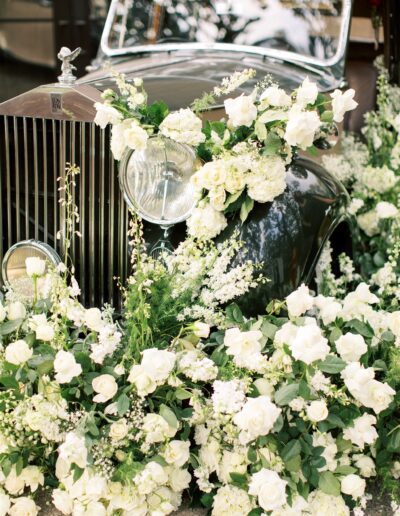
311, 28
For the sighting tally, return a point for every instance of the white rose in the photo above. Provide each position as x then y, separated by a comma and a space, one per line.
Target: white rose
72, 451
177, 453
158, 364
144, 383
309, 344
201, 330
106, 114
353, 485
241, 110
274, 96
118, 430
93, 319
5, 504
299, 301
179, 479
365, 464
362, 432
14, 483
317, 411
217, 198
183, 126
24, 506
16, 310
35, 266
256, 418
62, 501
264, 387
307, 93
351, 347
135, 137
386, 210
301, 128
45, 332
269, 488
341, 103
376, 395
18, 352
66, 367
206, 222
105, 386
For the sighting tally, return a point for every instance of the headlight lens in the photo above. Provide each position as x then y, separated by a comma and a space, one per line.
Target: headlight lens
14, 267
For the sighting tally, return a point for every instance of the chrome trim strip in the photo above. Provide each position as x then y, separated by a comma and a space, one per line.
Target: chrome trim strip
35, 177
82, 212
55, 182
8, 177
72, 160
92, 213
26, 207
61, 174
111, 225
102, 213
17, 185
45, 192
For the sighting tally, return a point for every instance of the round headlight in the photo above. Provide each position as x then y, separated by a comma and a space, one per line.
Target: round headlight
14, 267
156, 181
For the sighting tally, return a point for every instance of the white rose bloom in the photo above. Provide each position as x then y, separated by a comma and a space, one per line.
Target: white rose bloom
201, 330
119, 430
240, 343
301, 128
35, 266
362, 432
241, 110
286, 334
217, 198
72, 451
143, 381
158, 364
264, 387
94, 319
309, 344
377, 396
5, 504
299, 301
177, 453
317, 411
386, 210
365, 465
351, 347
206, 223
341, 103
156, 428
321, 504
135, 137
307, 93
14, 483
353, 485
24, 506
274, 96
269, 488
62, 501
106, 114
66, 367
18, 352
15, 311
256, 418
183, 126
105, 386
179, 479
231, 501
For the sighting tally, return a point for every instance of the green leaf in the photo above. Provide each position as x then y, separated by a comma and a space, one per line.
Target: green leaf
329, 484
234, 314
255, 512
19, 466
84, 360
182, 394
345, 470
393, 444
291, 449
219, 128
78, 472
293, 464
252, 454
327, 117
272, 144
268, 329
335, 334
232, 198
10, 326
123, 404
169, 416
156, 113
9, 382
286, 394
361, 328
331, 364
246, 208
207, 500
238, 478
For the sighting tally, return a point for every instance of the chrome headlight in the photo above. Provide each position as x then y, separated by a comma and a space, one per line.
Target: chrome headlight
14, 268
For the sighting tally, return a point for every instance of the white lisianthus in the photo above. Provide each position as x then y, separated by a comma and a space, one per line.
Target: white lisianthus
158, 364
353, 485
365, 465
72, 451
274, 96
35, 266
119, 430
301, 128
156, 428
307, 93
241, 110
206, 222
351, 347
135, 137
386, 210
201, 330
179, 479
94, 319
18, 352
24, 506
177, 453
362, 431
341, 103
66, 367
143, 381
299, 301
317, 411
16, 310
269, 488
106, 114
286, 333
256, 418
183, 126
62, 501
231, 501
105, 386
309, 344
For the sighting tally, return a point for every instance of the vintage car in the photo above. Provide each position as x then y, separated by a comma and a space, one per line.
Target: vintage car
180, 49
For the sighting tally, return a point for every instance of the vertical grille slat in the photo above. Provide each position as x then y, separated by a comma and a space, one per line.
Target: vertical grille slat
45, 172
82, 212
36, 177
92, 196
26, 171
8, 176
17, 185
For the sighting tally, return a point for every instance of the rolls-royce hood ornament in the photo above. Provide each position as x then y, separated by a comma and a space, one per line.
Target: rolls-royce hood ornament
66, 56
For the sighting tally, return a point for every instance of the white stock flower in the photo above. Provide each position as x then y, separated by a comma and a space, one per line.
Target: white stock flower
228, 396
33, 477
73, 451
351, 347
386, 210
16, 310
245, 348
206, 222
299, 301
353, 485
23, 506
269, 488
35, 266
94, 319
231, 501
301, 128
66, 367
18, 352
158, 364
317, 411
183, 126
177, 453
105, 386
256, 418
106, 114
143, 381
135, 137
307, 93
241, 110
118, 430
309, 344
274, 96
341, 103
62, 501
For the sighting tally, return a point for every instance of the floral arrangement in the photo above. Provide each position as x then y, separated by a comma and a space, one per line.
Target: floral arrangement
244, 156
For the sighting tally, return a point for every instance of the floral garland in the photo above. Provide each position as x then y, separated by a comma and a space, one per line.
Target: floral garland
245, 156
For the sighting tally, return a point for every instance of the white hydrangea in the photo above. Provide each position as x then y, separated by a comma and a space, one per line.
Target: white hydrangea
228, 396
183, 126
196, 366
231, 501
206, 222
323, 504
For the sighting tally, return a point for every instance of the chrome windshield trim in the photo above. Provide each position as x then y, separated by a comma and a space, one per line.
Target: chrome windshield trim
282, 55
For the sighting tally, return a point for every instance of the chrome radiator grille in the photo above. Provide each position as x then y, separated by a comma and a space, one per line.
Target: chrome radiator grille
33, 153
